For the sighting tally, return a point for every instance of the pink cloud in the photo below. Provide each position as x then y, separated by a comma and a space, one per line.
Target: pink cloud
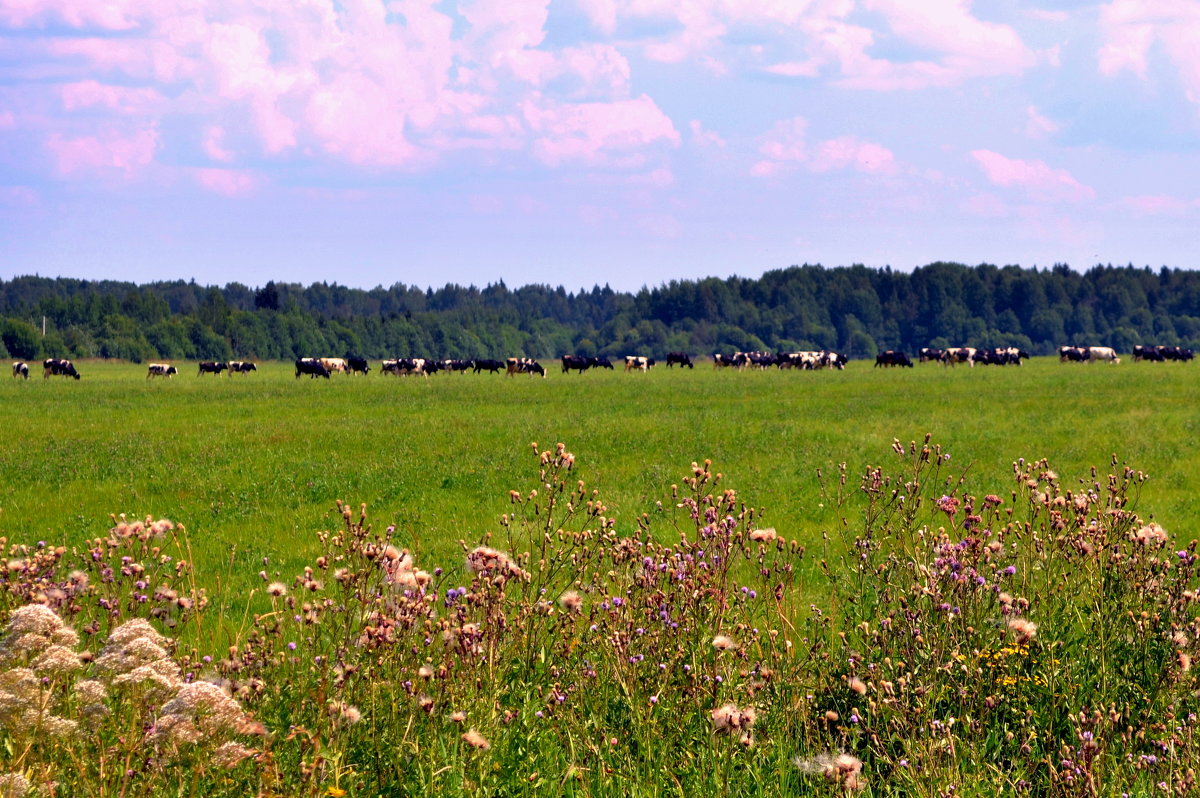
19, 196
597, 133
850, 152
106, 15
704, 138
104, 152
213, 144
1158, 205
93, 94
1039, 180
1038, 126
1129, 28
785, 146
227, 182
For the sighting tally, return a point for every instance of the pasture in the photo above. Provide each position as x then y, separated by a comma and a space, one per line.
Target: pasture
252, 464
688, 646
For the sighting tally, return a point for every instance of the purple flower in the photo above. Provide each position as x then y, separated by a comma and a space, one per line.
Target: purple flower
291, 647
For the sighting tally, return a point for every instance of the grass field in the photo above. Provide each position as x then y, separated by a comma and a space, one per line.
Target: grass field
1022, 634
252, 464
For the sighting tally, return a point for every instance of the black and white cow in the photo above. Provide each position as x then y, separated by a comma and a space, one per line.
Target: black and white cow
892, 358
493, 366
209, 367
682, 358
21, 369
241, 367
600, 363
929, 353
161, 370
312, 367
961, 354
576, 362
638, 363
58, 367
1072, 354
358, 365
523, 365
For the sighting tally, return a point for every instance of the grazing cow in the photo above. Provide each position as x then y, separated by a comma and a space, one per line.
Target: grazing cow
523, 365
577, 362
358, 365
461, 366
493, 366
962, 354
241, 367
807, 360
833, 360
58, 367
21, 369
682, 358
929, 353
1180, 353
407, 366
1072, 354
312, 367
161, 370
891, 358
1000, 356
638, 363
1105, 353
721, 361
209, 367
600, 363
333, 364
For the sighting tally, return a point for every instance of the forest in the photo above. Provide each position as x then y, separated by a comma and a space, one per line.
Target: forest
856, 310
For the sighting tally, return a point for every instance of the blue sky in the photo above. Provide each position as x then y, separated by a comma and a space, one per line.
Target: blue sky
577, 142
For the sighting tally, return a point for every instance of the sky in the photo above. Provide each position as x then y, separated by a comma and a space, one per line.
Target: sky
591, 142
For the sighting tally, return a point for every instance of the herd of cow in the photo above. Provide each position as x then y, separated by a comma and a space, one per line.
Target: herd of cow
810, 360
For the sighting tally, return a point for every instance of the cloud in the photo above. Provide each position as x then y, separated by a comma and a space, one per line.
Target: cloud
227, 182
786, 146
1035, 177
704, 138
1130, 28
1038, 126
108, 151
1158, 205
598, 133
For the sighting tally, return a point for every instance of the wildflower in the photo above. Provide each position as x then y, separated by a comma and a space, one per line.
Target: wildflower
844, 769
571, 601
1151, 534
764, 535
728, 718
425, 672
458, 716
489, 561
1185, 661
277, 589
335, 792
200, 710
229, 754
476, 740
344, 714
723, 643
1024, 629
857, 685
13, 785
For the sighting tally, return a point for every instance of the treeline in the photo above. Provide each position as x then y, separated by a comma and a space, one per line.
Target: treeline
856, 310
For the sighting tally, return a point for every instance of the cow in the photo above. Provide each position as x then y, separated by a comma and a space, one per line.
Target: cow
1180, 353
241, 367
929, 353
1072, 354
576, 362
58, 367
161, 370
834, 360
1000, 356
209, 367
1161, 354
600, 363
312, 367
333, 364
492, 366
21, 369
407, 366
454, 364
523, 365
962, 354
807, 360
682, 358
638, 363
1105, 353
892, 358
357, 365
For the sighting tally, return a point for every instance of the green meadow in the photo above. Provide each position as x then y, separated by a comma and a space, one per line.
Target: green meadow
979, 615
252, 465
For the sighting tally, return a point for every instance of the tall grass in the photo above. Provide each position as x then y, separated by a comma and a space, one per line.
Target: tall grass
1036, 638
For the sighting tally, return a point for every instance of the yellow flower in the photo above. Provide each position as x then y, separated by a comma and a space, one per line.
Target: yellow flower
335, 792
